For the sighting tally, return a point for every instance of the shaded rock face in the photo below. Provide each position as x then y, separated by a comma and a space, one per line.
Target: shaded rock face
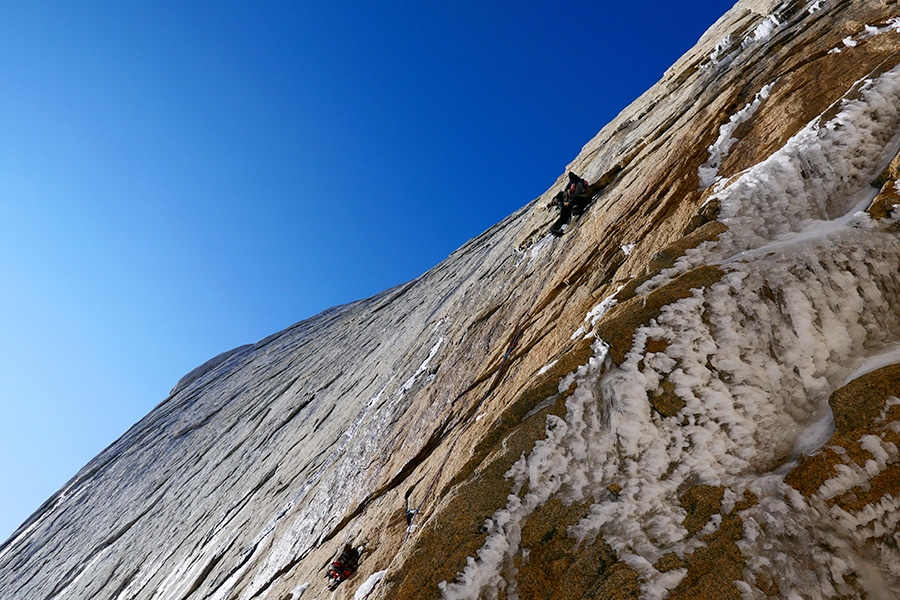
688, 395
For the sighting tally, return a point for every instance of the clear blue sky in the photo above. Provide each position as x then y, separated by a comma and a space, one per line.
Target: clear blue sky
180, 178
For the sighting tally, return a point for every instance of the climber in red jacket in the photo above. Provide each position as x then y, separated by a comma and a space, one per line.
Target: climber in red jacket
344, 566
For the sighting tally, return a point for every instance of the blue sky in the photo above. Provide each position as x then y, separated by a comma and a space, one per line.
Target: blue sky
180, 178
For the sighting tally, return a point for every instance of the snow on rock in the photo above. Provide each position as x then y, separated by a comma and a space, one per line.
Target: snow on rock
810, 290
890, 356
818, 176
596, 313
720, 49
368, 585
718, 151
764, 30
868, 32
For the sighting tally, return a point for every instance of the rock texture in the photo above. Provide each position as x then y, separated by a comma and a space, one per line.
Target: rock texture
688, 395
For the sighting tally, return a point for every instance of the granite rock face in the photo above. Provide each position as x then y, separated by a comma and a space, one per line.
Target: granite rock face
691, 394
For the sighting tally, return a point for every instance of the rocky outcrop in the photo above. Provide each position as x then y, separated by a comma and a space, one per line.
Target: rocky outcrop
687, 395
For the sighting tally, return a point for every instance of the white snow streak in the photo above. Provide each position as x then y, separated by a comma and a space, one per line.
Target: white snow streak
596, 313
369, 585
718, 151
890, 356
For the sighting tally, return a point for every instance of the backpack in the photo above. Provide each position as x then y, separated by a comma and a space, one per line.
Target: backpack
577, 185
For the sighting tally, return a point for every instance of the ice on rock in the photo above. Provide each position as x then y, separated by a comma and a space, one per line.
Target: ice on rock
807, 295
868, 31
819, 175
890, 356
546, 367
763, 31
720, 49
708, 172
369, 585
596, 313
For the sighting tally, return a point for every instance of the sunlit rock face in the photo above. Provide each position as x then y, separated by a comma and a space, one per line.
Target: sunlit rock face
693, 393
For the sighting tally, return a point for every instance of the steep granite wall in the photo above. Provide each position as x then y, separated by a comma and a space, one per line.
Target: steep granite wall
691, 394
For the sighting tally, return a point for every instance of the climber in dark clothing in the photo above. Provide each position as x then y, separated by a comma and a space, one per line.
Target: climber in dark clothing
571, 201
344, 566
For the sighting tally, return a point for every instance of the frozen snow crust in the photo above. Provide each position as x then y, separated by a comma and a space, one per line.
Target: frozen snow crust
810, 289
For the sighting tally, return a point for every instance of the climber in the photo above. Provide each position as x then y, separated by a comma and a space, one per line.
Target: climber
344, 566
571, 201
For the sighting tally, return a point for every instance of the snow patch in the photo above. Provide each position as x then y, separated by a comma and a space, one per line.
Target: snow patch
818, 175
719, 50
539, 247
408, 385
369, 585
596, 313
815, 435
763, 31
888, 404
547, 367
545, 470
868, 31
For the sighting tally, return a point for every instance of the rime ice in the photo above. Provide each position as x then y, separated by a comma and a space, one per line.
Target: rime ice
806, 298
